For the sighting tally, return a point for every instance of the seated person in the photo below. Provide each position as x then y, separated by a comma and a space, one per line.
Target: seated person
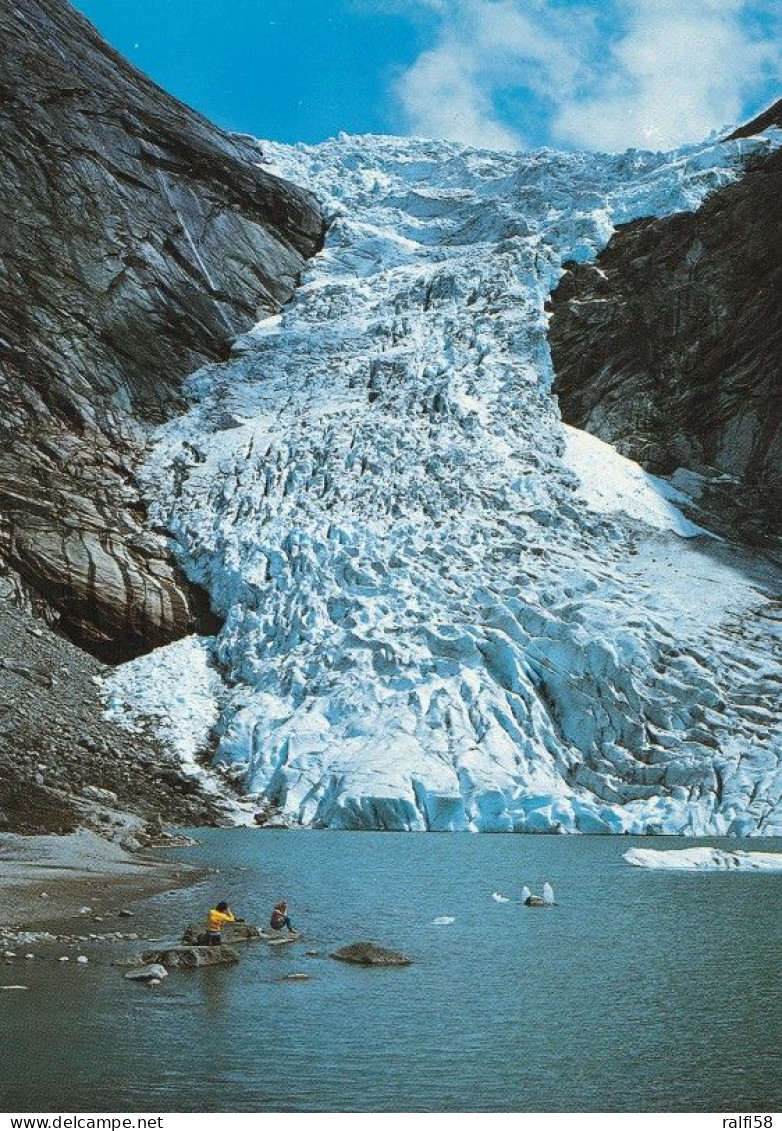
280, 918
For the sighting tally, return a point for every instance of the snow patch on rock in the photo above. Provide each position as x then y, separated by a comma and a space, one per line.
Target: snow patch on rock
611, 483
176, 690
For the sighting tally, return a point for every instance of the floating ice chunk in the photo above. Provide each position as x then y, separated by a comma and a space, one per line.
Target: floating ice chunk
499, 898
444, 920
544, 900
705, 859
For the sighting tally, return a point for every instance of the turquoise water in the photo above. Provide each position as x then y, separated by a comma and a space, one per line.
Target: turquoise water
640, 991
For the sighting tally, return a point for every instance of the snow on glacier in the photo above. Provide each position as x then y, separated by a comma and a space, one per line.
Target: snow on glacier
610, 482
437, 604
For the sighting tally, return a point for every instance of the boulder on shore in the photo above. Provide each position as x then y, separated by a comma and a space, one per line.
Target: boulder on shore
369, 954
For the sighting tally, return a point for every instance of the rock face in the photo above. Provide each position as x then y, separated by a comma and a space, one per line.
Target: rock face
136, 240
369, 954
61, 762
770, 117
668, 345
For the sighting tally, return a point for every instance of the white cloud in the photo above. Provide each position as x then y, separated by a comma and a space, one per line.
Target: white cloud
442, 96
486, 47
665, 71
682, 69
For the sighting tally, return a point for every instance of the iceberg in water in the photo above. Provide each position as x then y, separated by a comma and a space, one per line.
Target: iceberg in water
705, 859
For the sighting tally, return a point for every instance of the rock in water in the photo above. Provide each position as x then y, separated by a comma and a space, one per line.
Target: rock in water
370, 954
231, 932
136, 240
190, 957
193, 936
148, 973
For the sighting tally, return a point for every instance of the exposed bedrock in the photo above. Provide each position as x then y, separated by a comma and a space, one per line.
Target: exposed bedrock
766, 120
136, 240
668, 345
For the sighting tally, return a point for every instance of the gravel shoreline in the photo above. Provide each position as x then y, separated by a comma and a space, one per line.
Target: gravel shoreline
45, 881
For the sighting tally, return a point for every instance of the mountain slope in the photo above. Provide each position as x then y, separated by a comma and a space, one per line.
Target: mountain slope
765, 121
443, 610
136, 240
668, 346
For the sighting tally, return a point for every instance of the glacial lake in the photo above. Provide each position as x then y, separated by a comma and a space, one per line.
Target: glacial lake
640, 991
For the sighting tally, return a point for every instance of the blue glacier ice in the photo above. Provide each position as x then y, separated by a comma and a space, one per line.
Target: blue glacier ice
443, 610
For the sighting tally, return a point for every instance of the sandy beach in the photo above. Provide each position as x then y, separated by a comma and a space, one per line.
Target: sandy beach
45, 880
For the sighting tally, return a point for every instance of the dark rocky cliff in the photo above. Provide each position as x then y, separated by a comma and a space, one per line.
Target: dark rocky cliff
136, 239
669, 345
764, 121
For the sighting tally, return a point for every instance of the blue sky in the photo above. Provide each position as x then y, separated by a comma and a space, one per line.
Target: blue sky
500, 73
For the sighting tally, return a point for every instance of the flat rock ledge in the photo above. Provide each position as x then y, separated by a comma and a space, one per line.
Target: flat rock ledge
183, 957
238, 932
369, 954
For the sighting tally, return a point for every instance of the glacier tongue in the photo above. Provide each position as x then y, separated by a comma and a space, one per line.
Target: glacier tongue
441, 612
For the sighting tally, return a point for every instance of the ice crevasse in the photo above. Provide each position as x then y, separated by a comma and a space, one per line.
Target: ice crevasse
442, 609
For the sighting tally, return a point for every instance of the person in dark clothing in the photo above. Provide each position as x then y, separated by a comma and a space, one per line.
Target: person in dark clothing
280, 918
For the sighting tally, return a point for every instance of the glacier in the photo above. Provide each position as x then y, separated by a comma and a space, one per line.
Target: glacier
443, 609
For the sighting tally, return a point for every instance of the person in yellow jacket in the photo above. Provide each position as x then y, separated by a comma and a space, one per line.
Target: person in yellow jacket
215, 920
